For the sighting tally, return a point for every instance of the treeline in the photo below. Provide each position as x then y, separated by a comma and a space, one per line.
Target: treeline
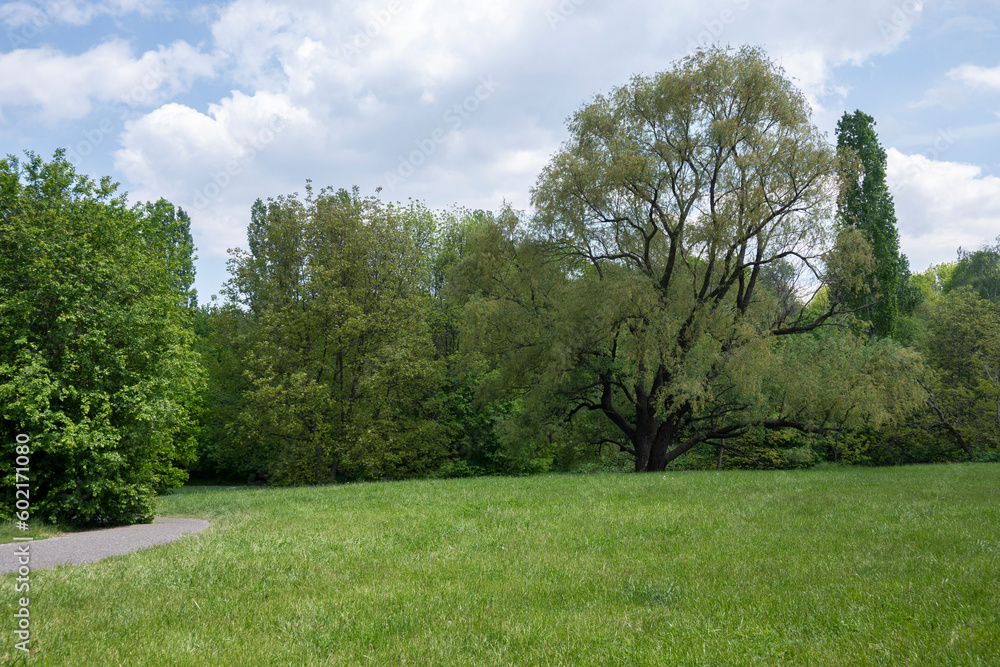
335, 355
703, 282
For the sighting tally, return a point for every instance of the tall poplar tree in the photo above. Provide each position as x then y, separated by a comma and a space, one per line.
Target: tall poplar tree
866, 204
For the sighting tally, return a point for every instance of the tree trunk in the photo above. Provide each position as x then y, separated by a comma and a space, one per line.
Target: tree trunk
658, 458
643, 446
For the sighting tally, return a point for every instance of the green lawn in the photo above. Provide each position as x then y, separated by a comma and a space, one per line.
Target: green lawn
37, 531
890, 566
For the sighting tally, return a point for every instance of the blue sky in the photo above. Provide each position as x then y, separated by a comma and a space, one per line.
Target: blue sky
214, 105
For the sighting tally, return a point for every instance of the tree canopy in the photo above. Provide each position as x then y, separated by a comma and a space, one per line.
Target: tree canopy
979, 270
96, 366
867, 205
336, 346
665, 278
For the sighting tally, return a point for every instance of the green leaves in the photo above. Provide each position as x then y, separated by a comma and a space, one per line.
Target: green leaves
962, 346
866, 204
676, 233
337, 349
95, 365
980, 270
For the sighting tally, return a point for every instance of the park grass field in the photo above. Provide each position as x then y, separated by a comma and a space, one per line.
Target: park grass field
834, 566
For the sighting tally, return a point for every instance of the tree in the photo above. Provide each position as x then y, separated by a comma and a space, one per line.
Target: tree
978, 269
331, 303
866, 204
640, 290
962, 348
220, 338
170, 229
96, 366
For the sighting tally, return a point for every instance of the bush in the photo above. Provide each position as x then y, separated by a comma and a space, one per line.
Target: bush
96, 366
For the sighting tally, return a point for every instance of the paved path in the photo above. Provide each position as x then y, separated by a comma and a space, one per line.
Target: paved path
94, 545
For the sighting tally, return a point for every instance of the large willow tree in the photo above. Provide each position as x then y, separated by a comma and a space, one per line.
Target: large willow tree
664, 283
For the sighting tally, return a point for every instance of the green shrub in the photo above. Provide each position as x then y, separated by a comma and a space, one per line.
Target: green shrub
96, 365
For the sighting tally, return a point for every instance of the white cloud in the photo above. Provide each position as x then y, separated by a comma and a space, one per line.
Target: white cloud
416, 53
962, 83
375, 77
964, 23
364, 85
977, 77
810, 40
419, 45
66, 86
214, 164
29, 18
941, 206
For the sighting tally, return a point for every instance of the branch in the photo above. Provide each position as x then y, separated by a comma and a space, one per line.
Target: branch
621, 445
943, 421
732, 449
616, 417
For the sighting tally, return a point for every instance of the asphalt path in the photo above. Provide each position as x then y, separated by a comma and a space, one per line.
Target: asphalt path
94, 545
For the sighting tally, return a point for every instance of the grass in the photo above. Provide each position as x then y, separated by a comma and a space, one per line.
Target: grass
891, 566
37, 531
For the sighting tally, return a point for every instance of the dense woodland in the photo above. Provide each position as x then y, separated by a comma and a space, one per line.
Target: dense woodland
703, 282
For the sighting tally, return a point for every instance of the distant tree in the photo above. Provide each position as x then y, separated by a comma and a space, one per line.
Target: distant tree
978, 269
866, 204
330, 302
170, 229
652, 288
962, 348
221, 338
96, 366
933, 281
450, 246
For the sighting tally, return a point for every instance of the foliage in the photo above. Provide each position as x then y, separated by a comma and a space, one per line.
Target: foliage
962, 348
476, 429
221, 336
758, 449
96, 366
655, 286
171, 229
866, 204
482, 428
913, 441
955, 328
978, 270
451, 244
337, 349
932, 282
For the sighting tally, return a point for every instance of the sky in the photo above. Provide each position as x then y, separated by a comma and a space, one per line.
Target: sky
459, 103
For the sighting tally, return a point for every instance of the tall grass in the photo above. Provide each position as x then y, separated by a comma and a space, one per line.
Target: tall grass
841, 566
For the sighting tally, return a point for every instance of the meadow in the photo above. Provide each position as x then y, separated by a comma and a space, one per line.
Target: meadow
828, 566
